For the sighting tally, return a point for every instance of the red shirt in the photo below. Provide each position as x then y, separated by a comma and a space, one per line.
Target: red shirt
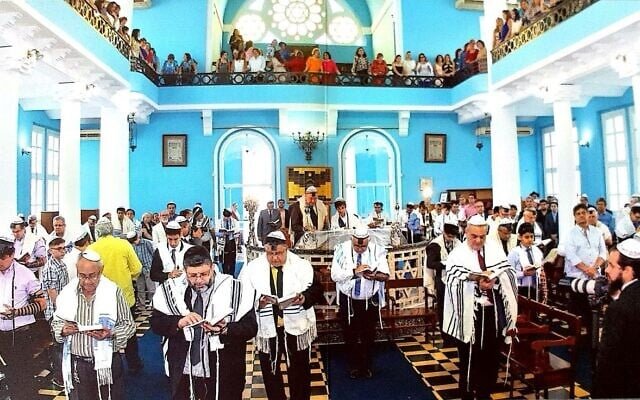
296, 64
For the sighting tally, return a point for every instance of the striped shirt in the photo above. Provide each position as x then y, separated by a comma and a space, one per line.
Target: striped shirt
55, 276
81, 344
144, 250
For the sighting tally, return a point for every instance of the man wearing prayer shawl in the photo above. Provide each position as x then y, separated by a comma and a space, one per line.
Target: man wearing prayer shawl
206, 319
286, 291
480, 307
93, 320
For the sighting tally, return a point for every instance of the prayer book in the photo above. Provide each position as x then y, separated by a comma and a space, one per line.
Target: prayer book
87, 328
533, 266
282, 302
488, 274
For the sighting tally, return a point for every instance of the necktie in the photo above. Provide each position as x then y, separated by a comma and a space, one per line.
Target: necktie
173, 256
270, 215
33, 230
530, 256
198, 308
356, 289
483, 266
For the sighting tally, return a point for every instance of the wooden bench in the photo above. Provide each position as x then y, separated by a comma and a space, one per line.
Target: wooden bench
397, 321
538, 333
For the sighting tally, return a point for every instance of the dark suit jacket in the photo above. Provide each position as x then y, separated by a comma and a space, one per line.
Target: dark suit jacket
618, 368
550, 228
265, 223
232, 357
296, 217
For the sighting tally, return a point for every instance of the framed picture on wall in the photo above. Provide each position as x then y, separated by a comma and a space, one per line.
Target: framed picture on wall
174, 150
435, 147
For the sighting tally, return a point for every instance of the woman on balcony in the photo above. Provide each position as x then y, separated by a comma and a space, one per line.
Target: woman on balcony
135, 43
448, 66
505, 30
296, 65
379, 69
313, 66
329, 69
188, 68
361, 65
239, 65
516, 25
236, 42
424, 69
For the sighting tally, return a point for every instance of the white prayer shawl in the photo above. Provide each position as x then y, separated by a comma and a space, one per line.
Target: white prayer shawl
351, 221
321, 211
461, 294
28, 243
105, 311
70, 260
297, 276
226, 293
429, 273
165, 256
158, 234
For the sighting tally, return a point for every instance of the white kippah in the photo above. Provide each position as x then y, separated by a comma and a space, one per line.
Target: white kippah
630, 247
173, 225
90, 255
277, 235
477, 220
361, 233
131, 234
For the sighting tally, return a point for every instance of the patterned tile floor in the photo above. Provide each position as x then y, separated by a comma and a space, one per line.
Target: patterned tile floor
438, 367
439, 370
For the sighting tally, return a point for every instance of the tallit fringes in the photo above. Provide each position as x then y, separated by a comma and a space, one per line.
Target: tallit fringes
104, 376
262, 344
304, 341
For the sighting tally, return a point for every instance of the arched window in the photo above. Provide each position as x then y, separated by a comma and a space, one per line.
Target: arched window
245, 162
299, 21
369, 168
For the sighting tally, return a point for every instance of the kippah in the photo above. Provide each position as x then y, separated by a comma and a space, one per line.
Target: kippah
276, 235
630, 248
505, 221
361, 233
80, 235
477, 220
173, 225
180, 219
131, 234
90, 255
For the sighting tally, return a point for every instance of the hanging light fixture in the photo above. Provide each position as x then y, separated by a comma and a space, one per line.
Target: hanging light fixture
307, 142
483, 124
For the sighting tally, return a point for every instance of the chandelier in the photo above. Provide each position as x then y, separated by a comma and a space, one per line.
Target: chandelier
307, 142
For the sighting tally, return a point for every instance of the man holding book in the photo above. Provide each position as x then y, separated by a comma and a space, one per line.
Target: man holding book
527, 260
287, 291
207, 319
480, 307
360, 269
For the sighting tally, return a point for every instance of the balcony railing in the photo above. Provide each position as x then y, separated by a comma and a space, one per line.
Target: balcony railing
295, 78
93, 17
558, 14
100, 24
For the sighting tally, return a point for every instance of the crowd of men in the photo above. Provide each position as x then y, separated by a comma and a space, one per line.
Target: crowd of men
87, 286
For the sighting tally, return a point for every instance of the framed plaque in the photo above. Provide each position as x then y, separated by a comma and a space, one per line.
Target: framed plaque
174, 150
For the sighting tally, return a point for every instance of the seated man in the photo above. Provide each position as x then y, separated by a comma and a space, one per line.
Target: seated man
378, 218
207, 318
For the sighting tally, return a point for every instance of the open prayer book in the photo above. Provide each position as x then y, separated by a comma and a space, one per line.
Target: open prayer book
216, 318
282, 302
87, 328
488, 274
532, 266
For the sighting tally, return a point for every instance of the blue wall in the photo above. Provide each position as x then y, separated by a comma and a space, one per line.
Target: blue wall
425, 30
176, 27
26, 120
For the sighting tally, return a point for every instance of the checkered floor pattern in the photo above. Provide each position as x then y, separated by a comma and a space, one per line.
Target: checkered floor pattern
438, 367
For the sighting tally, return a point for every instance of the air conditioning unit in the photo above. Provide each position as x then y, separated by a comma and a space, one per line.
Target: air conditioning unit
486, 131
90, 134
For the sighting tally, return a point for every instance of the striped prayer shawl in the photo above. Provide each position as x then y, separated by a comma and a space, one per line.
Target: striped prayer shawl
461, 293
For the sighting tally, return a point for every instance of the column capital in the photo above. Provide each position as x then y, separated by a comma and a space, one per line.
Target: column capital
554, 92
626, 64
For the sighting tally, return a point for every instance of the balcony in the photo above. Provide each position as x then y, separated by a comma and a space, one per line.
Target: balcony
562, 11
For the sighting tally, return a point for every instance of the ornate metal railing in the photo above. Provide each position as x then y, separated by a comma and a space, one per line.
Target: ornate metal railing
97, 21
559, 13
293, 78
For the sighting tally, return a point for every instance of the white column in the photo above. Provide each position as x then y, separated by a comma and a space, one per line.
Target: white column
70, 162
9, 150
567, 176
505, 161
635, 84
114, 159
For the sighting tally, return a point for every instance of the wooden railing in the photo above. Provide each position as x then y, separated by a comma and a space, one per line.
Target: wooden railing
97, 21
558, 14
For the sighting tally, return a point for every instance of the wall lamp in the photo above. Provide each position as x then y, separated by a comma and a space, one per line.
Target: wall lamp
583, 143
26, 151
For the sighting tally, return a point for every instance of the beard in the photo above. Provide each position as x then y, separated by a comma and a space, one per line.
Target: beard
615, 285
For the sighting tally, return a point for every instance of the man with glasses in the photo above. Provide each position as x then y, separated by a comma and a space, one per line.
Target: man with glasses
359, 269
21, 299
307, 215
60, 230
54, 278
629, 224
29, 248
122, 266
207, 319
93, 320
437, 253
287, 291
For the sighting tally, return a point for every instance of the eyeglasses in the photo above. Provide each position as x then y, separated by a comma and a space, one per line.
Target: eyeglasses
57, 248
92, 277
201, 275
